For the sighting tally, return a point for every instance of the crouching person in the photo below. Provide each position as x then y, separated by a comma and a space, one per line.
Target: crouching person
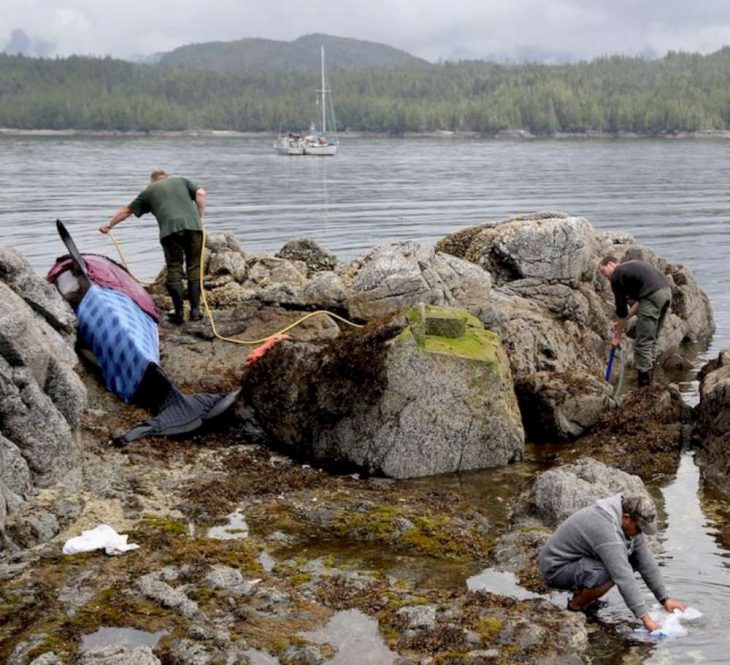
602, 545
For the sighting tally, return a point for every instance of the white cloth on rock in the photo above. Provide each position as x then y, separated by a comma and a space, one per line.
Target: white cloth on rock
101, 537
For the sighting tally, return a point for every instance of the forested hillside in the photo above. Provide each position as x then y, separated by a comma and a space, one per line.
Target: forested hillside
681, 92
303, 53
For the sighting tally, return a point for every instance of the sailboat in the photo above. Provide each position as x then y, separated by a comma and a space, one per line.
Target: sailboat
315, 142
290, 144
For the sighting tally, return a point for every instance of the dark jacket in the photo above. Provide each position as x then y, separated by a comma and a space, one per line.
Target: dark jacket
634, 280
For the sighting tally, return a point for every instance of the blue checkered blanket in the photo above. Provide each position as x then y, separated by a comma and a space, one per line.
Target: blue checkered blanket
122, 337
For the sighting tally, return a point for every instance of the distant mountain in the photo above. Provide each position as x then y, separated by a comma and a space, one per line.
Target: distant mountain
20, 43
147, 59
302, 54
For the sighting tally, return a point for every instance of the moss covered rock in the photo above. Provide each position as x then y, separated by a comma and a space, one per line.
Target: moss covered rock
393, 399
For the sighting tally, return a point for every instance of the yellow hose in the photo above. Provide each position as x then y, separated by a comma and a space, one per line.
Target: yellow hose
232, 340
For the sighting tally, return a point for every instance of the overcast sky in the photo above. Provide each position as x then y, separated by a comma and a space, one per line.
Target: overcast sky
431, 29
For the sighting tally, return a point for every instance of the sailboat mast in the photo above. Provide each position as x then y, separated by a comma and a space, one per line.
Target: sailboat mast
324, 95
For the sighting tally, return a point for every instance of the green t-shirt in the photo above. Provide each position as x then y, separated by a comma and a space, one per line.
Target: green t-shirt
172, 202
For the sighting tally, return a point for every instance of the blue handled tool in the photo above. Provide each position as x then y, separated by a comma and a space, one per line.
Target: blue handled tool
609, 367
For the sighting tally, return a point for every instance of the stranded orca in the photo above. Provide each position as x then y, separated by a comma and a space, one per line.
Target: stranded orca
118, 325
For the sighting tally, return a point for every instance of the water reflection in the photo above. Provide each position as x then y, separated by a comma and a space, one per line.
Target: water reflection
696, 570
114, 636
355, 636
236, 529
501, 582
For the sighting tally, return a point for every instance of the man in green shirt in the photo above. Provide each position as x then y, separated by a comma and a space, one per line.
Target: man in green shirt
178, 206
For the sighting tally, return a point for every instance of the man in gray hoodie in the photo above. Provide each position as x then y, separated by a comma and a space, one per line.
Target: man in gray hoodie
602, 545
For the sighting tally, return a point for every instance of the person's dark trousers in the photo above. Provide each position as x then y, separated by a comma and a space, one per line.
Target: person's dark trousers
652, 313
179, 247
193, 253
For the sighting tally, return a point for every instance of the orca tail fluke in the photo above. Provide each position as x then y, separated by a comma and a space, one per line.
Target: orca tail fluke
173, 412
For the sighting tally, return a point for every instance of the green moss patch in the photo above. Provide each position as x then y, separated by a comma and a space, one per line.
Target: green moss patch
435, 535
477, 343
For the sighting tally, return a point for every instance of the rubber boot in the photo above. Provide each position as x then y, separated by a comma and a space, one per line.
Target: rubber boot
194, 298
176, 293
644, 379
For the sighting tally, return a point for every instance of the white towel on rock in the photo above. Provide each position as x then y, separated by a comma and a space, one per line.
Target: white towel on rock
101, 537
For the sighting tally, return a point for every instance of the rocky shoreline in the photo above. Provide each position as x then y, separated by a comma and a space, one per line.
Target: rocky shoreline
506, 134
271, 536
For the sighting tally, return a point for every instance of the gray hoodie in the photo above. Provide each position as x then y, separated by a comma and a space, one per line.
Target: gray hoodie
595, 532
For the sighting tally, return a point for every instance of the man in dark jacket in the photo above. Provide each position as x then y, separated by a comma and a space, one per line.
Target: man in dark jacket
651, 296
178, 206
602, 545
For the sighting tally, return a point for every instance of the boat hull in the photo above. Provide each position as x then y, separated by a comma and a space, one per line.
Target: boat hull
289, 146
327, 150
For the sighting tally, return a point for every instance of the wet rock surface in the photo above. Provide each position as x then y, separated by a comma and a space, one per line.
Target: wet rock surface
644, 435
217, 602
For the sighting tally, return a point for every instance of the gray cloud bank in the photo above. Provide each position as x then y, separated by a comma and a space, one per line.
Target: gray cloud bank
547, 30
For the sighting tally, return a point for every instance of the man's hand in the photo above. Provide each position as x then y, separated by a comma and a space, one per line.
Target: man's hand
122, 214
671, 604
200, 199
617, 331
649, 623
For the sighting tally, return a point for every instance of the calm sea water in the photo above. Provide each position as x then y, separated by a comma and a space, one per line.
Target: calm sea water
671, 195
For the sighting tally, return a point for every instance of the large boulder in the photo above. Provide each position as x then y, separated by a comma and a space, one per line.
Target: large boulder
397, 276
537, 341
33, 357
561, 405
38, 294
549, 247
558, 493
409, 396
41, 397
712, 426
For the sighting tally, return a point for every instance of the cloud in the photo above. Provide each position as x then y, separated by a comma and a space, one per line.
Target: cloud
432, 29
